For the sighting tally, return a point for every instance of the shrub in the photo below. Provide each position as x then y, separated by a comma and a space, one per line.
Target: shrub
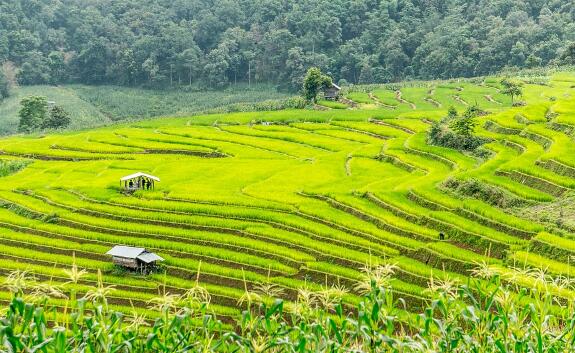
456, 132
476, 189
58, 118
8, 167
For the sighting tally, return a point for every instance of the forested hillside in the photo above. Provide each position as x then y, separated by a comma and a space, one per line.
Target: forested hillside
215, 43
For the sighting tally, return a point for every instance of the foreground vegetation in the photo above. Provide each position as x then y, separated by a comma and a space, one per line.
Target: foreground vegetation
280, 203
487, 315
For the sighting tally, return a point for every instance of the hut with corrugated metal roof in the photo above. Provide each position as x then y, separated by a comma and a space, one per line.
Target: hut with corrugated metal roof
136, 259
331, 92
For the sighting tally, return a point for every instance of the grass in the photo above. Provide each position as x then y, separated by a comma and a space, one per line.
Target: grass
332, 104
386, 97
360, 97
92, 106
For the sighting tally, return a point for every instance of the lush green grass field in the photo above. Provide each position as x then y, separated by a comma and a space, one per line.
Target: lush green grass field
296, 198
92, 106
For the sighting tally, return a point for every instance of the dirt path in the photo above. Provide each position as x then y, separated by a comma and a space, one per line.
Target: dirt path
348, 165
497, 89
398, 97
380, 122
349, 102
433, 101
460, 100
320, 107
490, 99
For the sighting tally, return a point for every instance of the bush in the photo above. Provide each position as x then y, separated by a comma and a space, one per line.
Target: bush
8, 167
456, 131
441, 135
475, 189
57, 119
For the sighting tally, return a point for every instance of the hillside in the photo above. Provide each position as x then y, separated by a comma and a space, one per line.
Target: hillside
302, 198
216, 43
94, 106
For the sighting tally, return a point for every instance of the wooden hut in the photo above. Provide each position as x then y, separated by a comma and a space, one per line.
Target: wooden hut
137, 259
331, 92
139, 181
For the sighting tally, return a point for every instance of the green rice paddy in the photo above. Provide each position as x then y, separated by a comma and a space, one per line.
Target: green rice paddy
296, 198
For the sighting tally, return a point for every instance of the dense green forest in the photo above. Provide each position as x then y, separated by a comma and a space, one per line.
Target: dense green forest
215, 43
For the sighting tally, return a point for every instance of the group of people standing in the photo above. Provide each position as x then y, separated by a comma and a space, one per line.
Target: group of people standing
141, 183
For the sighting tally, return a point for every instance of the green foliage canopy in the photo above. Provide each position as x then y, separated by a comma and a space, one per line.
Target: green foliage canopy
57, 119
4, 86
511, 88
455, 131
465, 125
32, 114
215, 44
314, 81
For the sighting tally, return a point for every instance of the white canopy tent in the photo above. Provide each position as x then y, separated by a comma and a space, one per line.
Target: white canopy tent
139, 181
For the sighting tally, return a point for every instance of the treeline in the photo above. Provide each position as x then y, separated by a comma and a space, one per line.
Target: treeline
215, 43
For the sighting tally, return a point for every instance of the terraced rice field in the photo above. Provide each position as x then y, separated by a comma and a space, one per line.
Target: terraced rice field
283, 200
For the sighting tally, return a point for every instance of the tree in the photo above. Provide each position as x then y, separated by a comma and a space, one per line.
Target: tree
511, 88
92, 62
216, 67
188, 63
313, 82
126, 67
152, 69
568, 55
465, 125
533, 61
57, 65
295, 64
4, 86
107, 42
451, 113
34, 70
58, 118
32, 113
